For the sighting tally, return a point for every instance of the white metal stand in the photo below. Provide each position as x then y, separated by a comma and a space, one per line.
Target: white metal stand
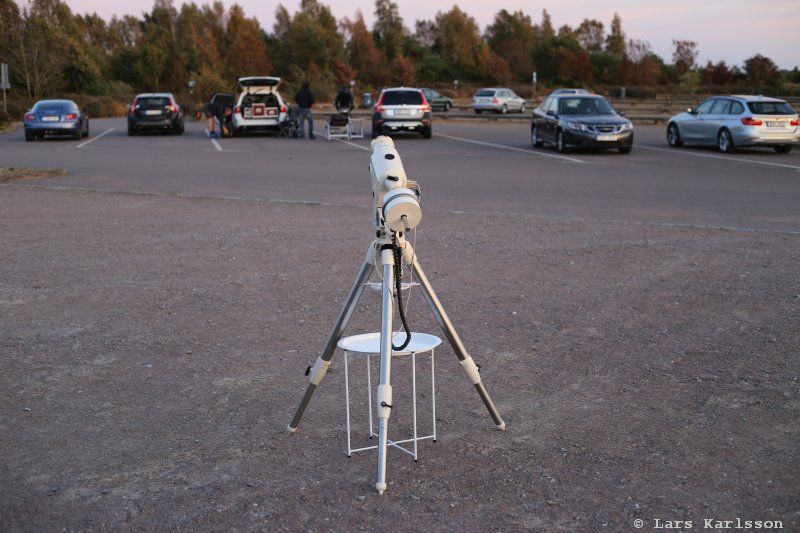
369, 344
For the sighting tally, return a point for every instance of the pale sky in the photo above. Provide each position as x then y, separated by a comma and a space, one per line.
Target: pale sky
729, 30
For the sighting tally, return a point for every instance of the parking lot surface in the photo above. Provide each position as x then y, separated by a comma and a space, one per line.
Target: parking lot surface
634, 316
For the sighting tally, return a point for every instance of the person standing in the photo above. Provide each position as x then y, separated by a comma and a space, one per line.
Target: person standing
305, 101
344, 100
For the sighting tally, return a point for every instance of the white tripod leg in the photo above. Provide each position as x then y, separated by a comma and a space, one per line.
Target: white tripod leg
465, 360
320, 367
383, 401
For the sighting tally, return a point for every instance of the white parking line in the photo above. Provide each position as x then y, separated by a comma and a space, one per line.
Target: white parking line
214, 141
354, 145
109, 130
531, 152
724, 158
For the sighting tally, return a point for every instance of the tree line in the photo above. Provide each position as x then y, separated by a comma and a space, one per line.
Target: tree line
52, 51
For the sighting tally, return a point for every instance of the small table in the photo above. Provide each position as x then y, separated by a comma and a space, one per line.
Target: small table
369, 344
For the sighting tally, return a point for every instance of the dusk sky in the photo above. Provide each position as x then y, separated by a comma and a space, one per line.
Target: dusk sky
729, 31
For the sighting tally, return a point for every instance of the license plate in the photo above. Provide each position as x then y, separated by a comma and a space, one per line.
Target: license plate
776, 124
402, 111
606, 137
153, 112
50, 119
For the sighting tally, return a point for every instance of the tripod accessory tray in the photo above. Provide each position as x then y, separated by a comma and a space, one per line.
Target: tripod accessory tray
369, 344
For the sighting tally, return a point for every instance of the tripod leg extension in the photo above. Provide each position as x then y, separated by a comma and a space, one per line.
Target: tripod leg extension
323, 361
465, 360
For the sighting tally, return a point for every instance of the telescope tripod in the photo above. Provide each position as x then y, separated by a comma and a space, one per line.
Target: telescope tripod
384, 246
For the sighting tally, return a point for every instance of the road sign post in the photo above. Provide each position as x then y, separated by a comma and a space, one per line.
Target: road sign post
4, 83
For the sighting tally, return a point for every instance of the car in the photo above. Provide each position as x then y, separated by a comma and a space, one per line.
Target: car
55, 117
731, 122
155, 112
259, 106
497, 99
436, 99
402, 109
580, 120
566, 90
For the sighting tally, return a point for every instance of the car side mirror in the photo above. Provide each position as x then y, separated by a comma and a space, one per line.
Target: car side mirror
551, 113
691, 111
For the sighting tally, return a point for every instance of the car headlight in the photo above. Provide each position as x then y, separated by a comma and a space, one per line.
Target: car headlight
577, 127
626, 127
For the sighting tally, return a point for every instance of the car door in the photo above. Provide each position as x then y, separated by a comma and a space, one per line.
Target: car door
692, 127
551, 120
712, 122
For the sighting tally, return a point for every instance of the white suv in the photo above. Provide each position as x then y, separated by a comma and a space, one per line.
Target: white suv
259, 106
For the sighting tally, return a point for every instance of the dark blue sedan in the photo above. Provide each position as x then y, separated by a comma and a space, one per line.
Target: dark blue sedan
56, 117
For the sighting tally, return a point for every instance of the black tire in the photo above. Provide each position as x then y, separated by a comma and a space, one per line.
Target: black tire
535, 141
447, 106
478, 111
131, 131
784, 148
30, 137
427, 133
674, 136
78, 135
374, 134
725, 141
522, 108
561, 146
504, 109
625, 149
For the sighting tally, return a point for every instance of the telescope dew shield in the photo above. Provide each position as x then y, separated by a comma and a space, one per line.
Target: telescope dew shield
401, 210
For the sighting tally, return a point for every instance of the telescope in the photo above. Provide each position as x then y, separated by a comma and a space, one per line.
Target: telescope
395, 211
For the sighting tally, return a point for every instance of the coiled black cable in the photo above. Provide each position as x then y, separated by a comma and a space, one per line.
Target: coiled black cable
398, 275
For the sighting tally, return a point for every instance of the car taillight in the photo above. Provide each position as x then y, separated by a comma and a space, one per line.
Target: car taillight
237, 109
30, 117
425, 107
283, 109
71, 116
750, 121
494, 100
795, 122
173, 109
378, 108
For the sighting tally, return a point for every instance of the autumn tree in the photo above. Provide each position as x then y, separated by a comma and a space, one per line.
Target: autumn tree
245, 52
512, 37
462, 44
684, 55
761, 70
591, 35
388, 28
367, 60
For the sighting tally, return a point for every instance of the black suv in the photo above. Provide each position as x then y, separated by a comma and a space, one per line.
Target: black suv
402, 109
155, 111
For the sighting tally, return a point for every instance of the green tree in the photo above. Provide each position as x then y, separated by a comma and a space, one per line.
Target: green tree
245, 52
388, 28
615, 41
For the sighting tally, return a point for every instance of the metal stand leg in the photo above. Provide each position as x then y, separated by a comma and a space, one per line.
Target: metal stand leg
466, 362
347, 401
323, 361
384, 397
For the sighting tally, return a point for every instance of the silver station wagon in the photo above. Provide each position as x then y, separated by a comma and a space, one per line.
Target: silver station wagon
731, 122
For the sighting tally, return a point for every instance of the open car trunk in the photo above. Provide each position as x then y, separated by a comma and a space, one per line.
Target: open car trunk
259, 100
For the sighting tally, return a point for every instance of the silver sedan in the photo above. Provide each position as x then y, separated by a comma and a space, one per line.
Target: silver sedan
731, 122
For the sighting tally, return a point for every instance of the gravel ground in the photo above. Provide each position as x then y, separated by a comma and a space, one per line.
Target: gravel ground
152, 351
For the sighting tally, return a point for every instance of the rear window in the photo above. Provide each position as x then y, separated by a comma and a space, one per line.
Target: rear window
770, 108
485, 92
402, 98
153, 101
55, 107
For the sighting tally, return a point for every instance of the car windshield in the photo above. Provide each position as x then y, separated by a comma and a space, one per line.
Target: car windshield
152, 101
485, 92
585, 106
402, 98
770, 108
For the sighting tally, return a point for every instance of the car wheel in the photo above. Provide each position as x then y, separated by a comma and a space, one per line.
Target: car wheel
561, 146
131, 131
427, 133
784, 148
725, 142
625, 149
535, 137
78, 135
504, 109
478, 111
522, 108
674, 136
447, 106
30, 137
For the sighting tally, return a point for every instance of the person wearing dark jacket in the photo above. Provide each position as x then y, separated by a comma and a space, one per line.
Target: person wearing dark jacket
305, 101
344, 100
